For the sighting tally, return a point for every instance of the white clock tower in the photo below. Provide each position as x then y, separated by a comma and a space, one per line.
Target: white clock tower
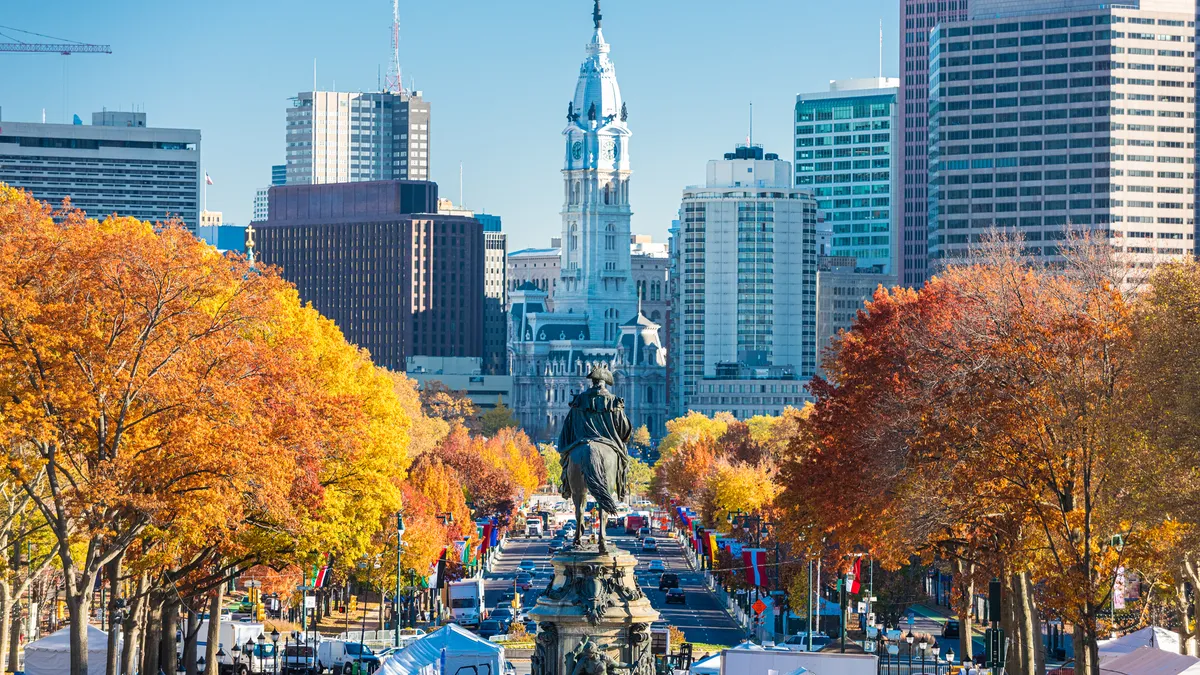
596, 277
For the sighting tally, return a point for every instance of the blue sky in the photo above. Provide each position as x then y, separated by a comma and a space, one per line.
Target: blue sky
498, 74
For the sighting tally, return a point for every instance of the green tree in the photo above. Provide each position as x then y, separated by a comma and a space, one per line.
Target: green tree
497, 418
640, 475
551, 458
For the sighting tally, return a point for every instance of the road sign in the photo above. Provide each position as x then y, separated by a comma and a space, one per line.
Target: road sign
862, 607
994, 638
759, 606
310, 602
869, 646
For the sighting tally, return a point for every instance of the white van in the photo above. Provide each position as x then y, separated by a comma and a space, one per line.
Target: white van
339, 656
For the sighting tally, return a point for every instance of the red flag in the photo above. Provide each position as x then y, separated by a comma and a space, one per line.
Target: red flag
754, 560
856, 583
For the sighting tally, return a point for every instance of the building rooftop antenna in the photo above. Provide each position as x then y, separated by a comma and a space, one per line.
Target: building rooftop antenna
395, 82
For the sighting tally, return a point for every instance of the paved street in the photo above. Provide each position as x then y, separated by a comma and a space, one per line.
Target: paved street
701, 619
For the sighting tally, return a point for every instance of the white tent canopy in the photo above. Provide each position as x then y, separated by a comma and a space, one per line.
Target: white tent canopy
460, 648
52, 654
1151, 636
709, 666
1151, 661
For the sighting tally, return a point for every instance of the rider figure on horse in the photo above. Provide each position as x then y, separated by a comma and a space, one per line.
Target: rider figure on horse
597, 416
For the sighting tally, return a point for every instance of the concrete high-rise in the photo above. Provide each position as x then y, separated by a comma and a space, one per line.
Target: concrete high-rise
745, 303
342, 137
116, 165
596, 318
398, 278
917, 19
842, 288
846, 147
1058, 115
495, 292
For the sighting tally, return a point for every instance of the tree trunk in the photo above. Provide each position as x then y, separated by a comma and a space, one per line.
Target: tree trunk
189, 641
1022, 627
135, 626
113, 571
214, 633
151, 646
1087, 660
6, 602
965, 579
170, 630
79, 607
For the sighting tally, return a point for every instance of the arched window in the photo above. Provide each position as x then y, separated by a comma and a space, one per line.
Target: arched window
573, 237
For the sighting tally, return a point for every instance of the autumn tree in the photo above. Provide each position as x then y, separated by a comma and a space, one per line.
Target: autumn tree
454, 407
499, 417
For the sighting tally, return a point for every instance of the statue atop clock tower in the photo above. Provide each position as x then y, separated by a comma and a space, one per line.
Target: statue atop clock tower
596, 278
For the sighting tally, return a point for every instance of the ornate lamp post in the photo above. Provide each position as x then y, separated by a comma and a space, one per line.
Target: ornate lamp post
937, 651
399, 547
922, 646
909, 639
275, 650
949, 659
237, 656
248, 650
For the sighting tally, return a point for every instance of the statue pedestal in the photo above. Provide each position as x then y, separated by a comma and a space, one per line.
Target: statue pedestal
593, 596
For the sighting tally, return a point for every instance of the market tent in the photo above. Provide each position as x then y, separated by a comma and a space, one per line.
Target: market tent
709, 666
52, 654
460, 649
1151, 636
1151, 661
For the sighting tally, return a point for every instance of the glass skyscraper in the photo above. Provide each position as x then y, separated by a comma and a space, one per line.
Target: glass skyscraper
846, 143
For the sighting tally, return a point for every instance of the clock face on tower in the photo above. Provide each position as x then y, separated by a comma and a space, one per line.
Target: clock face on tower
608, 149
577, 150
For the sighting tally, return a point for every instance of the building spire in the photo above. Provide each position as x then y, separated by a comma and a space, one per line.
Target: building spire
596, 15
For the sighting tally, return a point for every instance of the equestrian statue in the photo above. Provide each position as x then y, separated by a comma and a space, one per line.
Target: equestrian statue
592, 451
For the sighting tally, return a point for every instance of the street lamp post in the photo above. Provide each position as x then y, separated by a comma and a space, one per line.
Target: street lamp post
909, 639
399, 544
275, 650
949, 659
922, 646
937, 653
237, 656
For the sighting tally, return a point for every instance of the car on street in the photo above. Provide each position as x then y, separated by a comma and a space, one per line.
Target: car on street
506, 599
676, 595
799, 642
1067, 668
951, 629
527, 565
668, 581
649, 545
504, 615
524, 581
531, 627
509, 668
657, 566
490, 628
643, 533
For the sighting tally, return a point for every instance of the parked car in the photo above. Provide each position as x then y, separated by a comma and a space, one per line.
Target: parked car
504, 615
676, 595
527, 565
799, 642
657, 566
951, 629
336, 655
490, 628
668, 581
649, 545
523, 581
298, 659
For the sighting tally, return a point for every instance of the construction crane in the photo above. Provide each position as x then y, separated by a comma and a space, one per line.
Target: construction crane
63, 46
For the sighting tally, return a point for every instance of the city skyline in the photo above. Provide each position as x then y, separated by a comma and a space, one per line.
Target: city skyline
242, 116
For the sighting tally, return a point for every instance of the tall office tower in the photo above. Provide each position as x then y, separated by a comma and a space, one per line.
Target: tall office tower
115, 165
398, 278
846, 145
746, 287
918, 19
842, 288
596, 319
261, 203
495, 292
279, 174
343, 137
1052, 115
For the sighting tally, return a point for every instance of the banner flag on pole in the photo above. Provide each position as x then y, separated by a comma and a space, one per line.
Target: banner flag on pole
754, 560
856, 580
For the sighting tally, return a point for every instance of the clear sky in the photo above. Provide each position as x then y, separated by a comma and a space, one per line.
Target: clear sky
498, 75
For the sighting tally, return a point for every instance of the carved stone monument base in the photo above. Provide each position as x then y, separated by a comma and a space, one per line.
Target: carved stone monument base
593, 619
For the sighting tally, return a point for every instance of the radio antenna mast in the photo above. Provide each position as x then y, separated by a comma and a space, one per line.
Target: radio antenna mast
394, 82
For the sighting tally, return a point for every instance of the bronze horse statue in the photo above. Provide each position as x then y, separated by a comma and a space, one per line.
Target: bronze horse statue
592, 451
